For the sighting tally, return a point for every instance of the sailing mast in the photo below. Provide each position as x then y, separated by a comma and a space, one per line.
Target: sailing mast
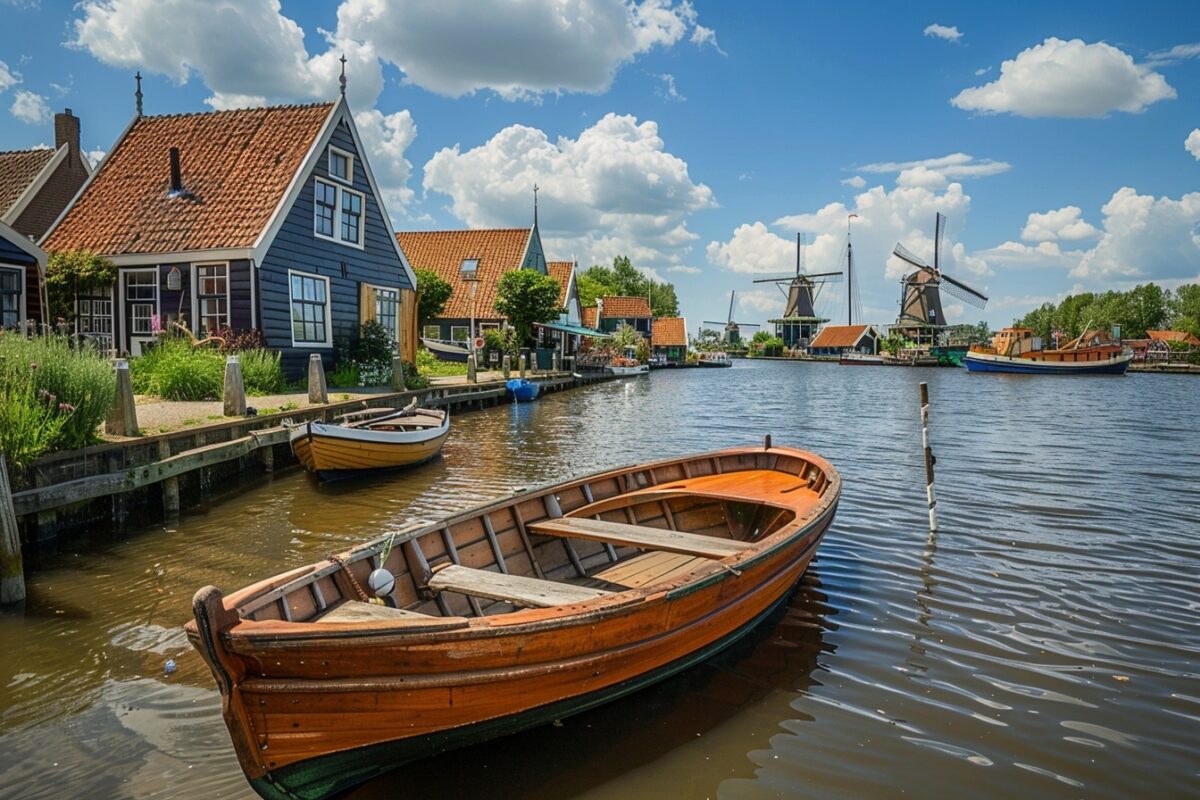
849, 273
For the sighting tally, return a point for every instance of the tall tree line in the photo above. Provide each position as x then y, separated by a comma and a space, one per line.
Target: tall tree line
1143, 308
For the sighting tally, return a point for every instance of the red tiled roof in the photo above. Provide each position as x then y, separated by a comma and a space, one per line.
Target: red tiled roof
838, 336
18, 168
622, 307
669, 332
587, 315
1174, 336
237, 165
561, 272
499, 251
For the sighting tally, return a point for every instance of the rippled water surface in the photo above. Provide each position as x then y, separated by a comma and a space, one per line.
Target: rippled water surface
1045, 643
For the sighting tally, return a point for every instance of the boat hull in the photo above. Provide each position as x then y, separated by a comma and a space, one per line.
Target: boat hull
447, 351
860, 360
986, 362
332, 450
522, 390
640, 369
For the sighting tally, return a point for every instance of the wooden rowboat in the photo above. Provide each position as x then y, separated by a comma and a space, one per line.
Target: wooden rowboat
507, 616
371, 439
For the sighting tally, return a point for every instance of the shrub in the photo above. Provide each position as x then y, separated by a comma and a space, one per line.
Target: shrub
54, 393
239, 341
174, 369
346, 374
72, 272
262, 372
372, 352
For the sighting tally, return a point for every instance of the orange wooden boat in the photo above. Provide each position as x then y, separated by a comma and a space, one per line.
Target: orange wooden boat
371, 439
510, 615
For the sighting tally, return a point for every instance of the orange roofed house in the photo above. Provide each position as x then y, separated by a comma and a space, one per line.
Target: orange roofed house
669, 342
834, 340
258, 218
35, 186
615, 311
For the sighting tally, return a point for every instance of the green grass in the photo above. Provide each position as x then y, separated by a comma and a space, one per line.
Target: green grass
431, 367
174, 369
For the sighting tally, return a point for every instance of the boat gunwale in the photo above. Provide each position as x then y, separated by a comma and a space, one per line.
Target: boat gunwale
264, 632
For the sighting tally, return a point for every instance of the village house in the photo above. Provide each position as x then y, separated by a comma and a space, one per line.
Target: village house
258, 218
35, 186
615, 311
22, 266
669, 343
566, 335
834, 340
489, 254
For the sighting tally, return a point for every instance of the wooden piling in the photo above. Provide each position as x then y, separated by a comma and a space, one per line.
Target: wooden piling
521, 360
557, 361
235, 388
929, 459
506, 366
318, 392
122, 418
398, 384
472, 376
170, 486
12, 567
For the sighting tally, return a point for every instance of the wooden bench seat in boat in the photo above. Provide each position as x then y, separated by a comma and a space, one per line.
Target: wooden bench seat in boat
650, 568
358, 611
515, 589
640, 536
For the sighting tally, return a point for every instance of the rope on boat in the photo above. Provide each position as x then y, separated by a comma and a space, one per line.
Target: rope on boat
341, 562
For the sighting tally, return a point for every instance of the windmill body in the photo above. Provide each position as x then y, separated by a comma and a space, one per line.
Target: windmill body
921, 318
733, 333
800, 323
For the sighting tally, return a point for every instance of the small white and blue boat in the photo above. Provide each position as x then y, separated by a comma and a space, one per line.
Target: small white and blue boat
522, 390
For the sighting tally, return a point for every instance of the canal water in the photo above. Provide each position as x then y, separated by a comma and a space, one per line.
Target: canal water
1044, 643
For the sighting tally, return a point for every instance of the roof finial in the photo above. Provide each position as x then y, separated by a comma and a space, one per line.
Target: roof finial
535, 191
342, 80
138, 93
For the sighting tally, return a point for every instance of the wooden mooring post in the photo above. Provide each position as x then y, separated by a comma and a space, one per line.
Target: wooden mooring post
929, 458
122, 419
318, 392
235, 388
12, 566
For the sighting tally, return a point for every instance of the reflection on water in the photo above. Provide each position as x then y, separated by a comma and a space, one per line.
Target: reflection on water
1045, 642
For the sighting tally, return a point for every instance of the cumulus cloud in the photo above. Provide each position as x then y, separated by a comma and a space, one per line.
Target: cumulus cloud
244, 52
1145, 236
1018, 255
685, 270
949, 33
96, 155
760, 303
614, 189
1192, 143
31, 108
753, 249
857, 182
702, 36
518, 49
1066, 224
386, 138
8, 78
1060, 78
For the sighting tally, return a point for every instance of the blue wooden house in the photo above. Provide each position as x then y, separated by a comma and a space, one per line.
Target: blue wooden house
259, 218
22, 263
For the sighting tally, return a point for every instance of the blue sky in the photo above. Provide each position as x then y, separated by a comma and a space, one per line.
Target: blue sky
699, 138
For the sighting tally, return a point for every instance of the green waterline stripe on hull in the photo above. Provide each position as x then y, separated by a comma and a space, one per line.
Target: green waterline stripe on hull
325, 776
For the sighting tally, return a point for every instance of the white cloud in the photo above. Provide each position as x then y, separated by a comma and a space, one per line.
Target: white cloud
244, 52
762, 303
702, 36
982, 71
1180, 52
685, 270
8, 78
1064, 224
668, 89
519, 49
1043, 255
96, 156
950, 34
857, 182
31, 108
1192, 143
386, 137
615, 189
1145, 236
753, 249
954, 165
1060, 78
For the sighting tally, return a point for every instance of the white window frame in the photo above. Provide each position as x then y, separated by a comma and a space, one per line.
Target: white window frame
395, 332
195, 296
122, 300
349, 179
92, 316
328, 343
338, 192
487, 326
464, 328
437, 332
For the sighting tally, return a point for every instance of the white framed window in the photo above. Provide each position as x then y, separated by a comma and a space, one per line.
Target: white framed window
141, 297
341, 164
311, 325
338, 213
459, 333
387, 310
94, 318
212, 297
489, 326
11, 283
432, 332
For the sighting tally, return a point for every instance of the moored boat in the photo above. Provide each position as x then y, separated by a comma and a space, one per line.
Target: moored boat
522, 390
714, 359
1019, 350
628, 366
371, 439
446, 350
507, 616
856, 359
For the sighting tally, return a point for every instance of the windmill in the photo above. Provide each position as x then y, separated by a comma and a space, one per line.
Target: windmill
733, 333
921, 314
800, 323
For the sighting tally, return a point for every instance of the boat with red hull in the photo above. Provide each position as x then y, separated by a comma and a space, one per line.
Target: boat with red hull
507, 616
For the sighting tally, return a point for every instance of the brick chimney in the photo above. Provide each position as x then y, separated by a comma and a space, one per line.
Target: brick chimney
66, 131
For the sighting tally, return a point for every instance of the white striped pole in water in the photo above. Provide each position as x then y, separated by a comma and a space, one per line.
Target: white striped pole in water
929, 459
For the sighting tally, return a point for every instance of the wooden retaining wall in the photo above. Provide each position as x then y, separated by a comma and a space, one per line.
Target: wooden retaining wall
152, 478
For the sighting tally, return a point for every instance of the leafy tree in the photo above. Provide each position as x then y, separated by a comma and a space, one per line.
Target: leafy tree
761, 337
73, 272
894, 343
707, 339
623, 279
625, 338
527, 297
434, 293
1145, 307
1185, 309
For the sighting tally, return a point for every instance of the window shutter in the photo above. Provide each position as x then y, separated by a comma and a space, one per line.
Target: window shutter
366, 303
